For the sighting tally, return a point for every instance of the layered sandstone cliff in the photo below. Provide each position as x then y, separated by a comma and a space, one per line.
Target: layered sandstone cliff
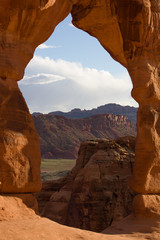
95, 193
61, 137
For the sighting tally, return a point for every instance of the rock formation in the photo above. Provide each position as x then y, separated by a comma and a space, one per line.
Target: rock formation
18, 207
19, 143
129, 31
95, 193
61, 137
116, 109
22, 24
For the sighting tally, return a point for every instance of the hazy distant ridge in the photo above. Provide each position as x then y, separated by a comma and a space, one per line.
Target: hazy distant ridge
130, 112
60, 136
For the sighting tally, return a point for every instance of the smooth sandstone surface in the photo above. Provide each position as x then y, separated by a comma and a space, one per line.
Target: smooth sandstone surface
44, 229
18, 219
19, 143
18, 207
147, 205
138, 228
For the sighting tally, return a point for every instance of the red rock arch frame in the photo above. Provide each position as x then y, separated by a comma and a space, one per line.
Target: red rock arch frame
128, 30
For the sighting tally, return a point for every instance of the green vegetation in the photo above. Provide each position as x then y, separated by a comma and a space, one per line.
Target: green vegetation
52, 169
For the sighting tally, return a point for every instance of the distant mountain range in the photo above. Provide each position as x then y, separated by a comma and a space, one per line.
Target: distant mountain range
61, 137
130, 112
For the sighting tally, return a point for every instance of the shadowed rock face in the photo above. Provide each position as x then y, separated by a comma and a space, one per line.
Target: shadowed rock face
95, 193
128, 30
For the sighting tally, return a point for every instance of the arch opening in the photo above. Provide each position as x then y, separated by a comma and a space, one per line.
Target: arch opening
129, 31
89, 78
72, 71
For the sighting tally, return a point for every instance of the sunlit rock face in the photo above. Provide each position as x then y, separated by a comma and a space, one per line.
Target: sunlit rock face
127, 29
22, 25
19, 142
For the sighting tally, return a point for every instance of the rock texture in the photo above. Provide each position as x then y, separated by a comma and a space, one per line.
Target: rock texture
40, 229
19, 143
22, 27
136, 227
128, 30
95, 193
61, 137
22, 30
18, 207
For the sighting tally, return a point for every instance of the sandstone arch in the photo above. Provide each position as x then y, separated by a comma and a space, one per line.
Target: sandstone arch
127, 29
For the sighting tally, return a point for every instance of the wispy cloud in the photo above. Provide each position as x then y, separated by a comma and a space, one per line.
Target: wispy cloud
41, 79
62, 85
44, 46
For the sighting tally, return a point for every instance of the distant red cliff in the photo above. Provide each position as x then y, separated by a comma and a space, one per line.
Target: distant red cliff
61, 137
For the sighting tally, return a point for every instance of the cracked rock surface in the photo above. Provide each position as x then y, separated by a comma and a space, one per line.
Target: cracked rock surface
95, 193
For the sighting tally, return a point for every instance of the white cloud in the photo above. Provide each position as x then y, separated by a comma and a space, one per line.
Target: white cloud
44, 46
51, 85
40, 79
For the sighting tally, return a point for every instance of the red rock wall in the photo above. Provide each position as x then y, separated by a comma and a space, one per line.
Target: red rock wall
96, 192
22, 25
61, 137
127, 29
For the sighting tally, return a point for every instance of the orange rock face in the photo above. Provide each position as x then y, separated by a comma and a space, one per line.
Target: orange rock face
130, 32
22, 30
127, 29
19, 143
18, 207
22, 24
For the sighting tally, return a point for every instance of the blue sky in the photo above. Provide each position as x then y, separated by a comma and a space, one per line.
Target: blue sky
72, 70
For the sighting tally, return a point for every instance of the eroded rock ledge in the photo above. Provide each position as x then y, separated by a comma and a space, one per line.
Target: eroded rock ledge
95, 193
